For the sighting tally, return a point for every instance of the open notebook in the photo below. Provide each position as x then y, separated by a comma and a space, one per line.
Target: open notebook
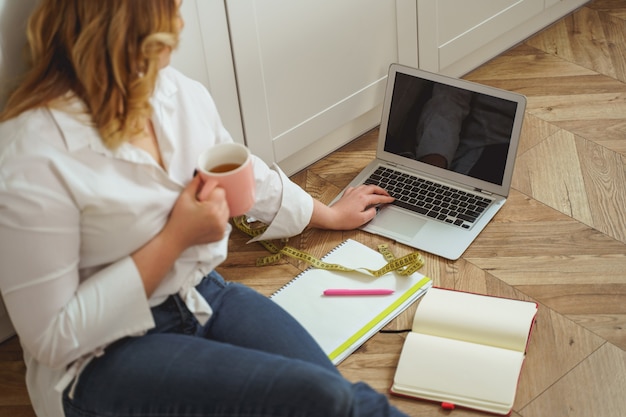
446, 150
465, 350
342, 324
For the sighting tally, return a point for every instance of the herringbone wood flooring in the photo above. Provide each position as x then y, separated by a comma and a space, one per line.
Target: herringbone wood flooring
560, 240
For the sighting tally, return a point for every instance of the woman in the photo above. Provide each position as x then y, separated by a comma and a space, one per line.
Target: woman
107, 257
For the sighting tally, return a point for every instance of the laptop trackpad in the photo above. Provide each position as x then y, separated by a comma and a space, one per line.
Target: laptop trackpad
397, 222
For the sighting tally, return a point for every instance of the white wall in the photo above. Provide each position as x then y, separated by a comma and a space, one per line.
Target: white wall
13, 17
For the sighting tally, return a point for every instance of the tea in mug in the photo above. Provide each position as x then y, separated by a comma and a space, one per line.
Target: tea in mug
224, 167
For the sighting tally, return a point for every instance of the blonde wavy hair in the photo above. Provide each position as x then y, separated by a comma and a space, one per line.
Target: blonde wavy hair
106, 52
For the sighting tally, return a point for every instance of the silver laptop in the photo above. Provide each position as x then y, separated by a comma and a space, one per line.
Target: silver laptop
446, 150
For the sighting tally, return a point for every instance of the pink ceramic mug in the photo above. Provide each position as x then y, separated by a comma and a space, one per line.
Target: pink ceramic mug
229, 165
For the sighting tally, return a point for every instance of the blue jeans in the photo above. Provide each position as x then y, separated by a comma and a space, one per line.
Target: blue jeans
251, 359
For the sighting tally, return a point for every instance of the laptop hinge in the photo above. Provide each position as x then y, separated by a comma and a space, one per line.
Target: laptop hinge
478, 190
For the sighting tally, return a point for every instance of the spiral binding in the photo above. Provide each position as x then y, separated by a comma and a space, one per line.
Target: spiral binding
302, 273
405, 265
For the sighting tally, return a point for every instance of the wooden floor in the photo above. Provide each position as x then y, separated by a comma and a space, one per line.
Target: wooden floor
560, 239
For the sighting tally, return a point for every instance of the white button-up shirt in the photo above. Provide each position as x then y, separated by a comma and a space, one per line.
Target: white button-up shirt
72, 211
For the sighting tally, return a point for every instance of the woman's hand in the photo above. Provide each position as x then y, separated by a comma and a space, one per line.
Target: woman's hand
200, 215
191, 222
356, 207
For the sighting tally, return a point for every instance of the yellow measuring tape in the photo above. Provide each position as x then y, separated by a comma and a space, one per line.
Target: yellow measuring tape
405, 265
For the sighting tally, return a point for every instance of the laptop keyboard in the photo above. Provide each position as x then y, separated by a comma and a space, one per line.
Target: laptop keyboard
440, 202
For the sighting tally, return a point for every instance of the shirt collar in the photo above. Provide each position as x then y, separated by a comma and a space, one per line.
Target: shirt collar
75, 124
164, 108
78, 130
164, 91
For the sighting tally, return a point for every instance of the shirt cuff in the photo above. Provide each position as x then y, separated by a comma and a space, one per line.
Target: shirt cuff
294, 214
130, 300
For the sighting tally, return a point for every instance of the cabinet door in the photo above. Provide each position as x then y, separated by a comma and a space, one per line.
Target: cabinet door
450, 30
204, 54
306, 68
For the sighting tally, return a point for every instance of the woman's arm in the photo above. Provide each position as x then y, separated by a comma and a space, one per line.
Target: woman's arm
58, 316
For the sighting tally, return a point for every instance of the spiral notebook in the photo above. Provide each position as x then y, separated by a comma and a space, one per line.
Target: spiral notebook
341, 324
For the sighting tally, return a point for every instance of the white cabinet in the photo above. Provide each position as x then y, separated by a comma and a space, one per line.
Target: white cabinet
456, 37
295, 80
204, 54
311, 73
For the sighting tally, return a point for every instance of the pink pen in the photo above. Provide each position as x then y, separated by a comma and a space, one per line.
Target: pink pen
358, 291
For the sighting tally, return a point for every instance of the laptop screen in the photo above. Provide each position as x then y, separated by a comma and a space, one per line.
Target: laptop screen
464, 131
